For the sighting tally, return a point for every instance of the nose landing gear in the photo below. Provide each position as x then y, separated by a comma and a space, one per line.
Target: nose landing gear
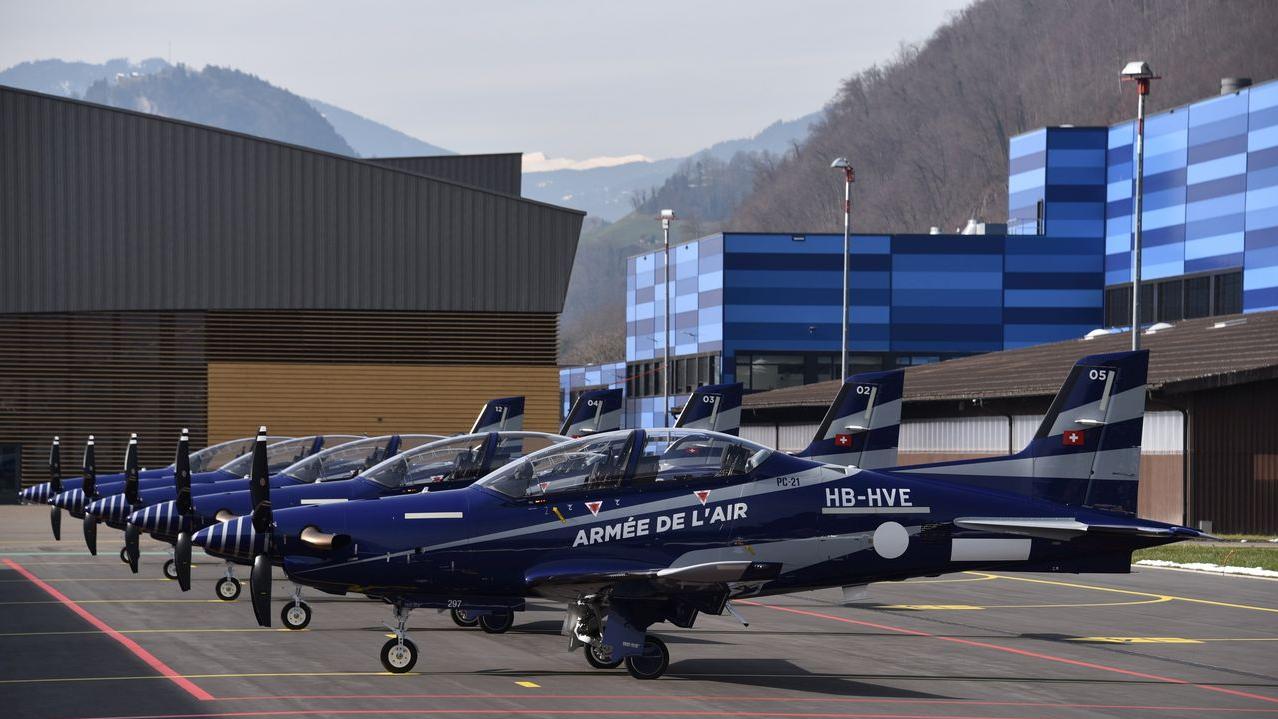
399, 654
228, 587
296, 614
170, 566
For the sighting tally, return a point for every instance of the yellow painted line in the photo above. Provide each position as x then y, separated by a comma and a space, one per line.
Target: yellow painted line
530, 685
207, 676
929, 607
1135, 640
1156, 600
983, 578
1115, 590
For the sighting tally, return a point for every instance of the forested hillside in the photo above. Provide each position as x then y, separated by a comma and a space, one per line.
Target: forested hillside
928, 131
224, 98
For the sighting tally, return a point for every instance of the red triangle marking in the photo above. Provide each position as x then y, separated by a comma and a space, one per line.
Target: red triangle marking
702, 495
594, 507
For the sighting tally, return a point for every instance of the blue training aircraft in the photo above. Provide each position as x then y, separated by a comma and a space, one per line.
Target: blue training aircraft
628, 531
862, 424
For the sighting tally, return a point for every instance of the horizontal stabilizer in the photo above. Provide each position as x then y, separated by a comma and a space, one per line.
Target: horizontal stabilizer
1066, 528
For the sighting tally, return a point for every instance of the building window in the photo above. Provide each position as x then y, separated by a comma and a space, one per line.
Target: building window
1040, 218
643, 379
1176, 299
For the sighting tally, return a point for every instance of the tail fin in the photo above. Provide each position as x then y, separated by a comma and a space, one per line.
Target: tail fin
131, 470
594, 411
1087, 449
716, 407
90, 468
863, 425
55, 467
504, 414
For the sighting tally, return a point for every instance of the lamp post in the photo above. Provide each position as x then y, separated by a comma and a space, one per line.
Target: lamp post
849, 176
1138, 71
667, 216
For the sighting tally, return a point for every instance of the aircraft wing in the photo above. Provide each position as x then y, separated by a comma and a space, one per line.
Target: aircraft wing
575, 577
1061, 528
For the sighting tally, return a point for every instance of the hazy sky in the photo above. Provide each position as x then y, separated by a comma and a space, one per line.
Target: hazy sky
568, 78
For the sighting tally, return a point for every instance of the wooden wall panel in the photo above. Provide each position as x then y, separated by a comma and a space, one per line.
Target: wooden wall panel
1234, 441
296, 398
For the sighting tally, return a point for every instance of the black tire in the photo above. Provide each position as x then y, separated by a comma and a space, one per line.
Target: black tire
594, 660
462, 619
396, 660
652, 663
124, 554
170, 569
227, 589
295, 616
497, 623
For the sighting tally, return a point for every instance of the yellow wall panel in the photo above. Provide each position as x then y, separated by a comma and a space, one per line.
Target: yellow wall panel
299, 399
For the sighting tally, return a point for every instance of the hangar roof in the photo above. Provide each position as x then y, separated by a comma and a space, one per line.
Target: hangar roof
110, 209
1192, 355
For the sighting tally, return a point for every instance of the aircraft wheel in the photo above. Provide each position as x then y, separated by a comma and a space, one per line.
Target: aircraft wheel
170, 569
599, 660
497, 623
296, 616
462, 618
399, 658
228, 589
652, 663
124, 554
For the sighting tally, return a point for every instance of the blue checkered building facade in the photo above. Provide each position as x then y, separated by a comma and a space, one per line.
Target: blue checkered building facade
764, 308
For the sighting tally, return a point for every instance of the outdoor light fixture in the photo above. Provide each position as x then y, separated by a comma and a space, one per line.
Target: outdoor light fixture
849, 176
1138, 72
667, 216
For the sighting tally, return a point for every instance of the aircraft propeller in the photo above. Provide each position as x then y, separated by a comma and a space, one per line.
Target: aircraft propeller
89, 488
55, 487
185, 508
131, 533
260, 495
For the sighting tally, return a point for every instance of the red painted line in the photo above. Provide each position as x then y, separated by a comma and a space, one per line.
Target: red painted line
744, 700
103, 627
1021, 652
564, 712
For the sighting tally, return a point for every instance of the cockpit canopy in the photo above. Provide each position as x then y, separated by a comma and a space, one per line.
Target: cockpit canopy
461, 458
635, 458
281, 454
217, 455
345, 461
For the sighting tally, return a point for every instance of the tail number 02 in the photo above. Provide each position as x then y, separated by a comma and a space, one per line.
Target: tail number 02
864, 389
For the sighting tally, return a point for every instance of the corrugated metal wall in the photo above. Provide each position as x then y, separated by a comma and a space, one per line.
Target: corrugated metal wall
498, 172
1234, 458
103, 209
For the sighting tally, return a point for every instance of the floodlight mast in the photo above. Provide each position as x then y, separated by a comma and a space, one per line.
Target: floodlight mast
849, 176
667, 216
1138, 71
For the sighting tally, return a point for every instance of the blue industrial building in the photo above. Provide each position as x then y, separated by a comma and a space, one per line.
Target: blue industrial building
763, 309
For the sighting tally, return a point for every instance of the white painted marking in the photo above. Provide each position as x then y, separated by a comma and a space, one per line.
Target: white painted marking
984, 550
334, 500
433, 515
891, 540
875, 510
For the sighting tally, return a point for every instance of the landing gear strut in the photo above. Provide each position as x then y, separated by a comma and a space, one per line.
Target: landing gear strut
296, 614
399, 654
228, 587
602, 627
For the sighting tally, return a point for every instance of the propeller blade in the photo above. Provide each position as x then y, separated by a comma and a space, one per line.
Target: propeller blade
55, 467
182, 477
182, 560
260, 589
90, 468
131, 470
260, 486
91, 533
131, 550
55, 522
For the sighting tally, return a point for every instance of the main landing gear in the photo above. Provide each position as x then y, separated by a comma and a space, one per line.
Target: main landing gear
586, 625
492, 623
399, 654
463, 618
297, 613
652, 663
228, 587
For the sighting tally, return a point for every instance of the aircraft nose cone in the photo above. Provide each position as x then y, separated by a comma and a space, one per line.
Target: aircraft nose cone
114, 508
32, 493
162, 517
235, 538
70, 500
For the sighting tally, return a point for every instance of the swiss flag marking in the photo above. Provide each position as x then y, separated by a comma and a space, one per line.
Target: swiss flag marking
594, 507
702, 495
842, 440
1072, 438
